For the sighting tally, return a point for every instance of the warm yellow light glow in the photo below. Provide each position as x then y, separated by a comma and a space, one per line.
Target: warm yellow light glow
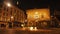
44, 23
35, 28
11, 17
26, 20
31, 28
36, 16
22, 25
8, 4
36, 12
8, 19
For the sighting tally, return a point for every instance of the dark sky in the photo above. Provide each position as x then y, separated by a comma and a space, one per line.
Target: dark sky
28, 4
34, 4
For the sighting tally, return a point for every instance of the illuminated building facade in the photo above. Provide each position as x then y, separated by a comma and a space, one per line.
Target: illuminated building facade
10, 14
35, 16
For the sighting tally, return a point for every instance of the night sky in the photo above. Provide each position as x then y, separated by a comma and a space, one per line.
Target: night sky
30, 4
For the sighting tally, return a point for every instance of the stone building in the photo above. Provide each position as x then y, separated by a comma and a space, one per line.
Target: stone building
10, 13
39, 17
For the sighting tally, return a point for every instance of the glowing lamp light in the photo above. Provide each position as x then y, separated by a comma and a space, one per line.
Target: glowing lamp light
8, 4
31, 28
35, 28
12, 17
36, 12
22, 25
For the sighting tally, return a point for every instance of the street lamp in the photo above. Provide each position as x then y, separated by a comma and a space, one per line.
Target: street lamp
11, 17
8, 4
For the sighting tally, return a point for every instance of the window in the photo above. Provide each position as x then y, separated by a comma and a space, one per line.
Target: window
7, 9
3, 18
15, 11
4, 8
0, 6
5, 14
11, 11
